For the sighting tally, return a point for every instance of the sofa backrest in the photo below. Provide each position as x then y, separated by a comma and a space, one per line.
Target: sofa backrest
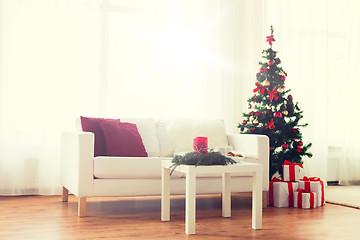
164, 138
182, 131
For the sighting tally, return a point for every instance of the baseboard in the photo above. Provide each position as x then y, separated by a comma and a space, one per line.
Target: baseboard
332, 183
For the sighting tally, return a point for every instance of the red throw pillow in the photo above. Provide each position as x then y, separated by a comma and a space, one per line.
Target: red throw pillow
92, 125
122, 139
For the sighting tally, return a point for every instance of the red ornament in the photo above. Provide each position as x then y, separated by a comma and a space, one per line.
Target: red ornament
301, 143
270, 63
258, 113
263, 70
270, 39
244, 122
283, 78
285, 146
273, 94
290, 96
300, 149
277, 114
294, 130
270, 124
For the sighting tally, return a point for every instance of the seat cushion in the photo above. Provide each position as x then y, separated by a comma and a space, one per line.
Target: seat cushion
129, 167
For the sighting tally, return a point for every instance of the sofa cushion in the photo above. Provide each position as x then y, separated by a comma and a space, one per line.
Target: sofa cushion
182, 132
122, 139
147, 130
89, 124
167, 145
129, 168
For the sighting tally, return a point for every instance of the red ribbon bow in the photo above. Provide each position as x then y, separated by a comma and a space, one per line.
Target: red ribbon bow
259, 88
303, 191
292, 175
273, 94
300, 192
307, 181
270, 39
270, 124
275, 179
286, 162
305, 178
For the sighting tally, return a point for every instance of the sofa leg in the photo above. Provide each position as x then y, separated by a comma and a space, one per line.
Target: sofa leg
65, 194
264, 199
82, 207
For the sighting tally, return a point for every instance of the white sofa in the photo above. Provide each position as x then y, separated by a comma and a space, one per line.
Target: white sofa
87, 176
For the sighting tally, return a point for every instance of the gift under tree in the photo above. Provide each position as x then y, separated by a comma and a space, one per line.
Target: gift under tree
273, 112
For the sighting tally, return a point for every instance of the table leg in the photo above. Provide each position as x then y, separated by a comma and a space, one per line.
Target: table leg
257, 199
226, 195
190, 208
165, 194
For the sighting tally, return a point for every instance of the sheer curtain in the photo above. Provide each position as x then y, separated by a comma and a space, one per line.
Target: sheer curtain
344, 52
49, 57
318, 45
302, 39
60, 59
180, 58
161, 53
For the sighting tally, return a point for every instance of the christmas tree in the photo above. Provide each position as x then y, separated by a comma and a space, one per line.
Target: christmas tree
274, 113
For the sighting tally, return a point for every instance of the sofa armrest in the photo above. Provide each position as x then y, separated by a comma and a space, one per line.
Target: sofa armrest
77, 167
253, 146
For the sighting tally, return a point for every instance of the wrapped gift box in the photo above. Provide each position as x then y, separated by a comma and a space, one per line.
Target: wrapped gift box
314, 184
291, 171
305, 199
281, 194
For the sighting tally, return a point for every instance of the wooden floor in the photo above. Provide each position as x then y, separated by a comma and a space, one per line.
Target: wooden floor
46, 217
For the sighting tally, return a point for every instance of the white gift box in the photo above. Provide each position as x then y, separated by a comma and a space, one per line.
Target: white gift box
316, 187
291, 173
305, 200
281, 194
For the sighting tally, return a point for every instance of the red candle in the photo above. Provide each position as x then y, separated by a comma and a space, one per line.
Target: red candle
200, 144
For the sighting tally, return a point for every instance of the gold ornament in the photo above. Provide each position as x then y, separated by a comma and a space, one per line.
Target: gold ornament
280, 90
252, 118
285, 112
266, 83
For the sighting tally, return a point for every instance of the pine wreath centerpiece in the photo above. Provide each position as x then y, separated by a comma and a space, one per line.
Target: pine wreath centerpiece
197, 159
274, 113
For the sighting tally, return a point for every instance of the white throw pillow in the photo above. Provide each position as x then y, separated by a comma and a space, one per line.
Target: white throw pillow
183, 131
147, 131
167, 145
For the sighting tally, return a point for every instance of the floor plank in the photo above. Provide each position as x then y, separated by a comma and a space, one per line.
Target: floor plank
47, 217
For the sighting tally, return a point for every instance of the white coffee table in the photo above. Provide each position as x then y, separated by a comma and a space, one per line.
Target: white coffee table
190, 207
